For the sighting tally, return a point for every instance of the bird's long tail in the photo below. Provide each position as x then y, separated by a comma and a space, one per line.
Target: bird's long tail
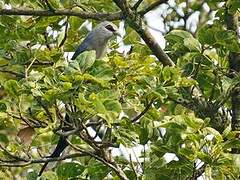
62, 144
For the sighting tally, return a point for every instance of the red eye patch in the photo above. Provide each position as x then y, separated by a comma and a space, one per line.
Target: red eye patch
110, 28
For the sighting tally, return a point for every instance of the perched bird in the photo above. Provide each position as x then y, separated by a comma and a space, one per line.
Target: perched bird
97, 39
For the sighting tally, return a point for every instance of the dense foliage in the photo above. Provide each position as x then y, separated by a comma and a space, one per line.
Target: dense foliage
128, 100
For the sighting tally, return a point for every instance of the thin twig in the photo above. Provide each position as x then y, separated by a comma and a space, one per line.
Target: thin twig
65, 33
38, 63
148, 106
45, 108
45, 34
132, 166
27, 69
112, 165
12, 155
42, 160
68, 133
197, 173
137, 4
20, 75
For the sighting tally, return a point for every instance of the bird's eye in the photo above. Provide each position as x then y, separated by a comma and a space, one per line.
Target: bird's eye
110, 28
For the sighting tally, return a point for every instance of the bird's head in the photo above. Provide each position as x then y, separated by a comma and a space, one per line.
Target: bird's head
108, 29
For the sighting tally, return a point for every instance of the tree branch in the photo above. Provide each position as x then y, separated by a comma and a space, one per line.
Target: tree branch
198, 172
42, 160
154, 46
135, 21
81, 14
148, 106
232, 23
13, 73
65, 34
137, 4
45, 108
38, 63
112, 164
12, 155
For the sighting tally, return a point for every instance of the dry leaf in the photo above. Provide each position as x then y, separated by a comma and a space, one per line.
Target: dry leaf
25, 134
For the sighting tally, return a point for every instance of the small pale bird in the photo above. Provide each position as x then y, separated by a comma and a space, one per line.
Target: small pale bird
96, 40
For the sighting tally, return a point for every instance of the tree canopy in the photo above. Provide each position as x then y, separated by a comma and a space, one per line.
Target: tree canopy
182, 101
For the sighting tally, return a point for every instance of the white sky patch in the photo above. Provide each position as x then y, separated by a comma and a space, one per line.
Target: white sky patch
134, 152
158, 37
122, 47
192, 21
156, 26
7, 6
170, 157
209, 137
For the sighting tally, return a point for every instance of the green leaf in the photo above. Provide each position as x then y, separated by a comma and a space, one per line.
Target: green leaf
32, 175
235, 143
195, 123
228, 39
206, 34
192, 44
4, 138
214, 132
70, 170
97, 170
111, 105
178, 35
75, 22
98, 103
12, 87
143, 136
86, 60
102, 70
49, 175
233, 6
3, 107
160, 92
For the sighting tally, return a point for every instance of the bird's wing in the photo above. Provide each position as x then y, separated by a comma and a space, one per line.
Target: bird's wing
83, 46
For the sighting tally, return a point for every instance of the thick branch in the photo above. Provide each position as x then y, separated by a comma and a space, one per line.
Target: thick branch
234, 62
154, 46
123, 5
135, 21
83, 15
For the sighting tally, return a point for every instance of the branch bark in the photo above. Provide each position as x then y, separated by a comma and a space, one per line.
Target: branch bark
134, 19
199, 172
104, 160
25, 162
81, 14
148, 106
234, 62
